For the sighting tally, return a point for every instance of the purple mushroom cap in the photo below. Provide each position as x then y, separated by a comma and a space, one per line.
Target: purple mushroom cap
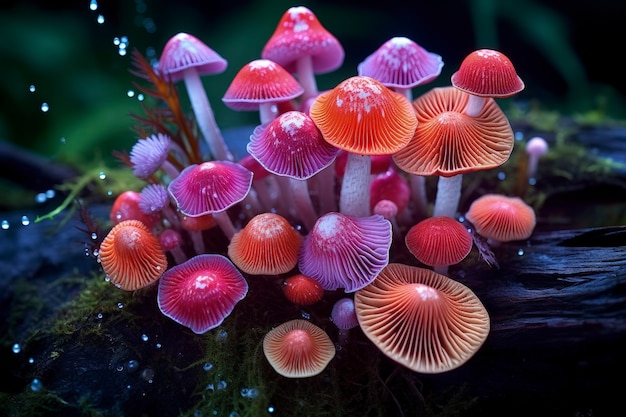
184, 51
343, 251
147, 155
201, 292
344, 314
154, 197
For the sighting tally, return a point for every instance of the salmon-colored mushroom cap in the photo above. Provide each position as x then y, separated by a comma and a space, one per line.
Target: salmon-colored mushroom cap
487, 73
260, 81
131, 256
267, 245
298, 349
184, 51
448, 142
201, 292
302, 290
362, 116
421, 319
439, 241
501, 218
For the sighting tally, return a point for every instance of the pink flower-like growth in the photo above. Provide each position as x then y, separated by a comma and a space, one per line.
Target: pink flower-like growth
260, 85
343, 251
292, 146
150, 154
211, 188
301, 45
401, 64
201, 292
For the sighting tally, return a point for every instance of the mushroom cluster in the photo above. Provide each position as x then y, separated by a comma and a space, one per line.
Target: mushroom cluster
331, 185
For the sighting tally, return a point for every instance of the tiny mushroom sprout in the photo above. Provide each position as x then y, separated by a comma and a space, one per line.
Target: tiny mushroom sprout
344, 316
201, 292
302, 46
423, 320
343, 251
292, 147
439, 242
185, 57
261, 85
449, 143
500, 218
364, 118
150, 154
536, 147
211, 188
302, 290
267, 245
401, 64
486, 73
298, 349
131, 256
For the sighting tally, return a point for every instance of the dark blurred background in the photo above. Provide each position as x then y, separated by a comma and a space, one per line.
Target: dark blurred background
561, 49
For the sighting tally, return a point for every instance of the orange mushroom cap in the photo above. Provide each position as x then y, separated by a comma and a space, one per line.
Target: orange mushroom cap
298, 349
501, 218
487, 73
267, 245
439, 241
448, 142
131, 256
421, 319
362, 116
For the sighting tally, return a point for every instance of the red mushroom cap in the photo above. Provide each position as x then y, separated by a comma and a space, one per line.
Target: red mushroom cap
302, 290
261, 81
501, 218
131, 256
183, 51
439, 241
298, 34
127, 207
390, 186
201, 292
487, 73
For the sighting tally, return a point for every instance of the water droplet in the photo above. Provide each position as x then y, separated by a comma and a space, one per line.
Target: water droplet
147, 375
207, 366
93, 5
144, 337
102, 175
519, 135
63, 140
210, 387
271, 409
32, 88
305, 315
501, 175
100, 19
197, 413
158, 346
94, 236
120, 305
36, 385
40, 198
45, 107
4, 224
17, 348
132, 365
520, 252
50, 193
25, 221
532, 181
130, 93
119, 368
298, 227
234, 414
221, 335
222, 385
31, 360
140, 97
99, 315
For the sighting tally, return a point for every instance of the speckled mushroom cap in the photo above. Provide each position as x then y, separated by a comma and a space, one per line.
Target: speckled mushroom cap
267, 245
291, 145
439, 241
210, 187
298, 349
131, 256
401, 63
487, 73
362, 116
302, 290
421, 319
184, 51
343, 251
298, 34
260, 81
448, 142
501, 218
201, 292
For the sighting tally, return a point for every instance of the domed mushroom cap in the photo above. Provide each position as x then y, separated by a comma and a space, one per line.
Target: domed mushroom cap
401, 63
127, 207
184, 51
502, 218
343, 314
298, 34
487, 73
210, 187
131, 256
343, 251
201, 292
362, 116
267, 245
298, 349
448, 142
422, 320
291, 145
439, 241
260, 81
302, 290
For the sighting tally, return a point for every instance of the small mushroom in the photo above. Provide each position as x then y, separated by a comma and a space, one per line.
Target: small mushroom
302, 290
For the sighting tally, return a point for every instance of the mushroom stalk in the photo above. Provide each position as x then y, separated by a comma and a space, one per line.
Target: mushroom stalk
354, 198
304, 205
474, 105
204, 116
448, 195
306, 77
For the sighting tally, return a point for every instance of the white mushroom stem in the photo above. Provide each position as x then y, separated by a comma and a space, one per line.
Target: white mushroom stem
448, 196
474, 105
354, 198
267, 112
204, 116
304, 206
306, 77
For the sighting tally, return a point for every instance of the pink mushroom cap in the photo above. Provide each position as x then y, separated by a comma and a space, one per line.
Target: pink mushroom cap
184, 51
